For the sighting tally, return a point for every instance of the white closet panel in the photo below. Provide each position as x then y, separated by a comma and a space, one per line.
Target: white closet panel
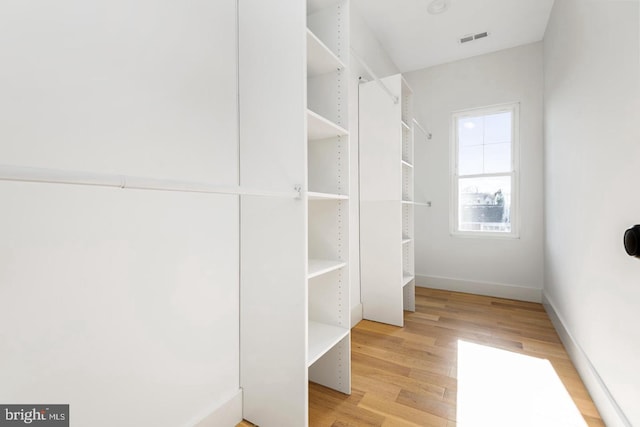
386, 201
273, 231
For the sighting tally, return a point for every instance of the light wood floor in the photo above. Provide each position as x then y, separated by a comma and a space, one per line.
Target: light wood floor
408, 376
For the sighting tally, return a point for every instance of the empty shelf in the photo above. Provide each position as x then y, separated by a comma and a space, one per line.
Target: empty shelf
320, 128
322, 338
407, 202
318, 267
320, 59
406, 278
312, 195
407, 164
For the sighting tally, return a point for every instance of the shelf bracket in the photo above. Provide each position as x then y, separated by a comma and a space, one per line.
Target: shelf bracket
393, 97
424, 131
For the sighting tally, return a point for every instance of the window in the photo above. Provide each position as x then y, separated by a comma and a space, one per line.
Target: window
484, 171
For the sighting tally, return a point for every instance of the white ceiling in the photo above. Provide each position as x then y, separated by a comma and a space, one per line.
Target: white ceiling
415, 39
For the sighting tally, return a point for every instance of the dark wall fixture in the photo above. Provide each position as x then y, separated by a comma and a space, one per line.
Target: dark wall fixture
632, 241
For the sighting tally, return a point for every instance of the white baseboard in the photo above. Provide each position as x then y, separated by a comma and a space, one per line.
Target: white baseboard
611, 413
499, 290
356, 315
225, 413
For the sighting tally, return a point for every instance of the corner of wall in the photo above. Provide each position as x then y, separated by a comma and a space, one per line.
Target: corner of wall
609, 410
356, 314
498, 290
228, 412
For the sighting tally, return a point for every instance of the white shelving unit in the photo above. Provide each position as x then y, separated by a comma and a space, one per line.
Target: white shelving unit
386, 201
295, 318
318, 267
320, 59
323, 337
320, 128
406, 279
407, 162
326, 196
329, 350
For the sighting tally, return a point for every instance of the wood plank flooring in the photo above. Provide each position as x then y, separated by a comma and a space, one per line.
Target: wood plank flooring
408, 376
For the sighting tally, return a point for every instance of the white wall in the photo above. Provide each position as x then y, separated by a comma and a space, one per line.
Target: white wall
122, 303
364, 42
502, 267
592, 147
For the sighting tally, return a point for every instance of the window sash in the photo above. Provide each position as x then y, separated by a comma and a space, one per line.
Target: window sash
513, 173
486, 175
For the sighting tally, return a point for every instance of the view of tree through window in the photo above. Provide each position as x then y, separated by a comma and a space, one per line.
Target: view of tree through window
484, 171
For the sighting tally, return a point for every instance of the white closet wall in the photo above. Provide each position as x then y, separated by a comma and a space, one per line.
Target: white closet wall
124, 299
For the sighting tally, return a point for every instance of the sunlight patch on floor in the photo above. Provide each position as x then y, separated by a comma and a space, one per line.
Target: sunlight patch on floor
499, 388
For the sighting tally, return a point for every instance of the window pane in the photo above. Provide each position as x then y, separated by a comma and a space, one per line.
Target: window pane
470, 131
492, 133
497, 128
470, 162
484, 204
497, 158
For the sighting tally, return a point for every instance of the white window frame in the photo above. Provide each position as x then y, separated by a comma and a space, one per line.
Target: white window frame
514, 108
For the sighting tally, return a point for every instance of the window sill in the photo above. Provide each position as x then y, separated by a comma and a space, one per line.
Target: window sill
485, 235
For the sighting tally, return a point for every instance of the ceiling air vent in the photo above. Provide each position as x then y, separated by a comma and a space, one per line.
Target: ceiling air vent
472, 37
466, 39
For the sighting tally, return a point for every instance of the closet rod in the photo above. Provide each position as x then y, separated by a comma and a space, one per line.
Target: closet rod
427, 134
373, 76
55, 176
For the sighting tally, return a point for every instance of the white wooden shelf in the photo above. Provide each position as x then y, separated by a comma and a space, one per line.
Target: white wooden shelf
322, 338
320, 59
406, 279
405, 241
320, 128
318, 267
312, 195
407, 164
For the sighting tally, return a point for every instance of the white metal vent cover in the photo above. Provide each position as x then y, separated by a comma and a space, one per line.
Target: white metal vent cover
472, 37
